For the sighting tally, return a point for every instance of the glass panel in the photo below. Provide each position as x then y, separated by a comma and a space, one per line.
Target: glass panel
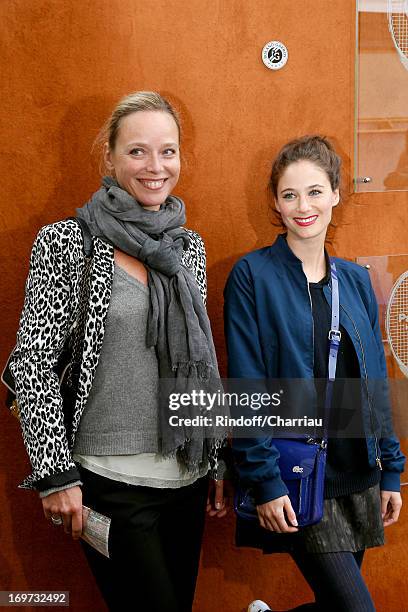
381, 139
389, 277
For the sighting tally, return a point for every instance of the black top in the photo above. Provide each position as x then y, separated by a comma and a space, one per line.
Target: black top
347, 469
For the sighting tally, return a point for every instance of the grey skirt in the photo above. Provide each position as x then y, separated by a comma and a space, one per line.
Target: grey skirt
350, 523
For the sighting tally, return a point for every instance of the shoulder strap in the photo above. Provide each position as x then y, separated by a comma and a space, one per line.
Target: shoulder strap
334, 338
77, 340
86, 235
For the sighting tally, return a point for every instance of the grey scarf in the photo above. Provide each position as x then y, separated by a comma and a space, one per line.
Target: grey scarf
178, 325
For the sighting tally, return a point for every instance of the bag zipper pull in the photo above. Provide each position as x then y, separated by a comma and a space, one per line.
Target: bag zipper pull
378, 462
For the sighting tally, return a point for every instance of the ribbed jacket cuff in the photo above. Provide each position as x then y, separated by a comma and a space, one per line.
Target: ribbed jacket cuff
268, 490
390, 481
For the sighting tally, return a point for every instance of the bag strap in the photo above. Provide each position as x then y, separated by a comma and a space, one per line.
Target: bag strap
87, 238
84, 289
334, 338
84, 286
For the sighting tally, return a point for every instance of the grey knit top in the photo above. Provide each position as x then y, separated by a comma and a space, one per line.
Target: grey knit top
117, 435
120, 416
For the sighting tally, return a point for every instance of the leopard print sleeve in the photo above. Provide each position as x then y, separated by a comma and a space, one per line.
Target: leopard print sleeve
44, 324
195, 259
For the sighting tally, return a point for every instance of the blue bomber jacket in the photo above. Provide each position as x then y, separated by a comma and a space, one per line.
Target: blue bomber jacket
269, 334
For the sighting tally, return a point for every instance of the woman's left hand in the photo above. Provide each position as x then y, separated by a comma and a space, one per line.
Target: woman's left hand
391, 503
219, 495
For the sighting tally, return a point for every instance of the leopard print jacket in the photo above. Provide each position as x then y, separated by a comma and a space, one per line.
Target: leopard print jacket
49, 312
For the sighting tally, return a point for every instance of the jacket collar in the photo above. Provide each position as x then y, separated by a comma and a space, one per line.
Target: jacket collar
287, 256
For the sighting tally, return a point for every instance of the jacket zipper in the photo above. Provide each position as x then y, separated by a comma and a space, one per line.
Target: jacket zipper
377, 451
311, 312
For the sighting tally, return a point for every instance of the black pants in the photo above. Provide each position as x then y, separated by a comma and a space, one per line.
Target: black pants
336, 581
154, 543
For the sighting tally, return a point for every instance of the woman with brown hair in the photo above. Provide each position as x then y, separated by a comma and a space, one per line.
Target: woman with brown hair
278, 304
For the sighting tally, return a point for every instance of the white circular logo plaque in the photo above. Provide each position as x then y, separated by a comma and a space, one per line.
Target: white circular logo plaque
274, 55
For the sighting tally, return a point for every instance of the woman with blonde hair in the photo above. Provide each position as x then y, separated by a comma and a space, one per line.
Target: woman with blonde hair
145, 322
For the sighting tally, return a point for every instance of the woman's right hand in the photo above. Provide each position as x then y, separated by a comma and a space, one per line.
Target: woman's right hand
276, 514
66, 504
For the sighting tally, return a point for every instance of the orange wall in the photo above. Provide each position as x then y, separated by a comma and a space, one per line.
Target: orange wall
64, 65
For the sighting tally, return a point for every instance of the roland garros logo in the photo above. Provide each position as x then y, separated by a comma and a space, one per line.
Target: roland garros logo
274, 55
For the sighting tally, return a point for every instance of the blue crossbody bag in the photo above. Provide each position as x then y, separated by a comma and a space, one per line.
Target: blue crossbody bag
302, 461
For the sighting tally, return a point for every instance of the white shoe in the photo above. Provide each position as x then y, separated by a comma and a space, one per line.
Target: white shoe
258, 606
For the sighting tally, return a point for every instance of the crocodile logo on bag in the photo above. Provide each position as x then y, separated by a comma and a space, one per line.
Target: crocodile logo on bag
297, 469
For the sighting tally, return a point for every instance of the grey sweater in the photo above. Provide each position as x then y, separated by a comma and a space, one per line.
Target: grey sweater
120, 416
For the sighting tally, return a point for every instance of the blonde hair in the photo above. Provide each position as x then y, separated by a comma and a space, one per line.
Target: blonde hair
133, 103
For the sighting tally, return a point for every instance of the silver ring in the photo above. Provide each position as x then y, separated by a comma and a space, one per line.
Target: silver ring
56, 520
